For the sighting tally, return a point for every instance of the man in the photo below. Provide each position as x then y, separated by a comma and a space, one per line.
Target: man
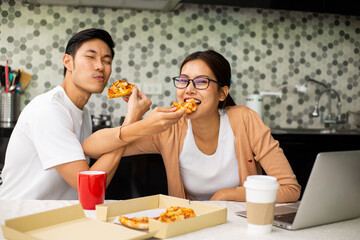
44, 152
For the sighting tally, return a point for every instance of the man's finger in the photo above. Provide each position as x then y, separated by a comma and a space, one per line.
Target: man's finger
135, 91
126, 98
142, 95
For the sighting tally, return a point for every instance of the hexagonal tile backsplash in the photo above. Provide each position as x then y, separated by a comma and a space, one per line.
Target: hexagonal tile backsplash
268, 50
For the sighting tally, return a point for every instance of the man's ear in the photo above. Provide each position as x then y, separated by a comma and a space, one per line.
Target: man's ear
68, 61
224, 91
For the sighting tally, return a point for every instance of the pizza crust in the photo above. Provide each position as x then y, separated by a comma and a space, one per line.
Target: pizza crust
136, 222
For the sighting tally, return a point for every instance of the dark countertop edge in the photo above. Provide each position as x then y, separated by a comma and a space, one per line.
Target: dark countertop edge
300, 131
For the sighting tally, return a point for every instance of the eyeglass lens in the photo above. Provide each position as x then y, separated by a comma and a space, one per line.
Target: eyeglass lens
200, 83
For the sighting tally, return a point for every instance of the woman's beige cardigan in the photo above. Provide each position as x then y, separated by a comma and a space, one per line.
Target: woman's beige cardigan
254, 145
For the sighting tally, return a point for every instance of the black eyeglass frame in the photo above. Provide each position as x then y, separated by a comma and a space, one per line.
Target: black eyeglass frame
188, 82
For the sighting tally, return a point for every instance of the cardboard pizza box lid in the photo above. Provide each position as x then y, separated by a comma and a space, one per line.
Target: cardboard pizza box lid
66, 223
207, 215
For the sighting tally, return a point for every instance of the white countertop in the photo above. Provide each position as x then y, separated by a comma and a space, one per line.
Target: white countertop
235, 228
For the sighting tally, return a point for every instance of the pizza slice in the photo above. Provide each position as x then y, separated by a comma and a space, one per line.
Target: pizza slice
190, 106
171, 214
120, 88
135, 222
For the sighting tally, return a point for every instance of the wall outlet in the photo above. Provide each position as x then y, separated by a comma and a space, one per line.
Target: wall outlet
152, 88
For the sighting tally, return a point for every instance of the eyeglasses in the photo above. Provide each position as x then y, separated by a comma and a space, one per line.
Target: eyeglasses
199, 82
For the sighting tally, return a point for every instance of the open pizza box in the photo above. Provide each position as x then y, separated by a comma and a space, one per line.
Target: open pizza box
68, 223
207, 215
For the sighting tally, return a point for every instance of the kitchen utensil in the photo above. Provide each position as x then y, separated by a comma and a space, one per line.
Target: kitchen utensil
2, 75
12, 88
9, 109
7, 76
25, 79
13, 81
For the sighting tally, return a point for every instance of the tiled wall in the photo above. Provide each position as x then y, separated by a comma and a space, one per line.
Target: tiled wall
266, 48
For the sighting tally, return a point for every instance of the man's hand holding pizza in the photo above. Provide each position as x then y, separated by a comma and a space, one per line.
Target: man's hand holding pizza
138, 102
138, 105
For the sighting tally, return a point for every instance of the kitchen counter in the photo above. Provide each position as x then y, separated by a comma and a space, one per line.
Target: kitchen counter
311, 131
234, 228
301, 147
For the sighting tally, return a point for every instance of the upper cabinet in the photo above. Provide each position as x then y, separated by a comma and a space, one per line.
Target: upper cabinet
343, 7
159, 5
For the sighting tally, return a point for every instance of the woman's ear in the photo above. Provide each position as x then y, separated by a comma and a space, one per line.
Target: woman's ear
224, 91
68, 61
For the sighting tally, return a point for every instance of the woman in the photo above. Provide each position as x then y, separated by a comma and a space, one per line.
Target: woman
208, 153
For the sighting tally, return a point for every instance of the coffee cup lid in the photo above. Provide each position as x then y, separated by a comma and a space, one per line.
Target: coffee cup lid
261, 182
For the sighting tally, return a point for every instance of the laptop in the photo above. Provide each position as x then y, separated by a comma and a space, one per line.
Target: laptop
332, 193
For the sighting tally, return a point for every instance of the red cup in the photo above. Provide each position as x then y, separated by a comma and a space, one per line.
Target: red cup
91, 188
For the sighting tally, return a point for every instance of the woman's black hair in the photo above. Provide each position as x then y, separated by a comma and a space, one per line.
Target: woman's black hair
219, 66
88, 34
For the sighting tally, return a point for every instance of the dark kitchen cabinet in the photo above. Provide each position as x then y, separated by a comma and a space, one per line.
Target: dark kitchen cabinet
302, 149
4, 140
138, 176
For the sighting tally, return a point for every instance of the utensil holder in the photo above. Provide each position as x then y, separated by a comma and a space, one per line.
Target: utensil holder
10, 109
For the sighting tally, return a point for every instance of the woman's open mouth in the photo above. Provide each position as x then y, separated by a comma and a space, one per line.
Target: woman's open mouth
198, 102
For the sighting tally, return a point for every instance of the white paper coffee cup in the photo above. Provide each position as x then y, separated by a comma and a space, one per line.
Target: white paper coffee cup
260, 202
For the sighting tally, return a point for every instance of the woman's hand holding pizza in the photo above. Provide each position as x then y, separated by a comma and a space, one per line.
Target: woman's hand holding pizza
160, 119
157, 121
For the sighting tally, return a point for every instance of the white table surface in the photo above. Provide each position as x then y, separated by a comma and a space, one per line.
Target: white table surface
234, 228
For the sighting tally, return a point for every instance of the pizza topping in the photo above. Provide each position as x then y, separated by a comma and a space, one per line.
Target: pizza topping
190, 105
174, 214
171, 214
120, 88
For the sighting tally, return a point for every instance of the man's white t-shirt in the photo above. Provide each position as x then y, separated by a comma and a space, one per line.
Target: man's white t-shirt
49, 132
203, 174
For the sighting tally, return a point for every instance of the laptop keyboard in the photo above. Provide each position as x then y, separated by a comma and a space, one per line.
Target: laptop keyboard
287, 217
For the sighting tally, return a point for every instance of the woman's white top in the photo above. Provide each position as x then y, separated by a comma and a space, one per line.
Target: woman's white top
203, 174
